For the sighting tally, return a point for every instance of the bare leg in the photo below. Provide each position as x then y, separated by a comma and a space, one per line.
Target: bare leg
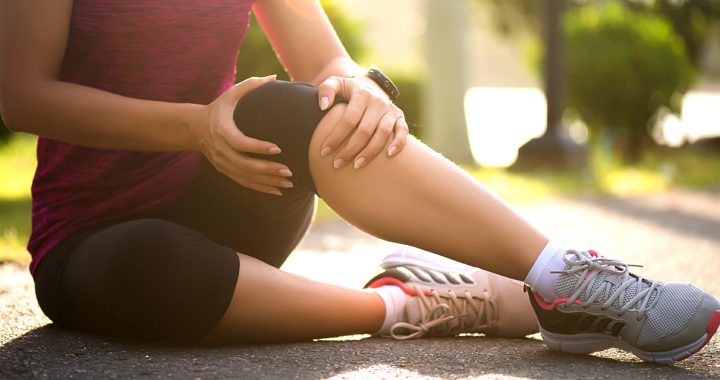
417, 198
272, 305
420, 198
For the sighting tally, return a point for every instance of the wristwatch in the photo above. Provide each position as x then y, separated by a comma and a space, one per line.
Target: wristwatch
384, 82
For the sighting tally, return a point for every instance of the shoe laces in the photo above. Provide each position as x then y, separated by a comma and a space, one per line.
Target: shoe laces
448, 314
587, 268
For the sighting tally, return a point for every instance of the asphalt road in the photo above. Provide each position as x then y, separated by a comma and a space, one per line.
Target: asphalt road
676, 235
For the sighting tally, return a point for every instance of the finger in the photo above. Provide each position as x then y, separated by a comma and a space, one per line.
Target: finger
271, 180
243, 143
243, 181
401, 133
257, 166
226, 155
240, 89
263, 188
362, 136
327, 91
379, 140
350, 118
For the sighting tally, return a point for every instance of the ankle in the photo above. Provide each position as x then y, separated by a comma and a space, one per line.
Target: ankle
541, 278
395, 300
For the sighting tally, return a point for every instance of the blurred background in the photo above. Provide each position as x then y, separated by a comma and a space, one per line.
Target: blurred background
535, 98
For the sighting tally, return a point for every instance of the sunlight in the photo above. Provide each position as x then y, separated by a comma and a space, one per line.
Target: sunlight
501, 119
701, 115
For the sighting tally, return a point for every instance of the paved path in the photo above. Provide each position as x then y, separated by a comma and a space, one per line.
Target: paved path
676, 235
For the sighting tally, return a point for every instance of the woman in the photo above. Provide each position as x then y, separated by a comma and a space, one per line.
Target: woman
165, 196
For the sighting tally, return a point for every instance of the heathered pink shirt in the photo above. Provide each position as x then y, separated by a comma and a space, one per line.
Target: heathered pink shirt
168, 50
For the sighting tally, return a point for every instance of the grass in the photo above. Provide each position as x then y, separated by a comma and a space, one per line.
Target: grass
658, 171
17, 163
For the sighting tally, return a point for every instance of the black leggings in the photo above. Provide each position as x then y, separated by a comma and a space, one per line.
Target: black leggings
169, 274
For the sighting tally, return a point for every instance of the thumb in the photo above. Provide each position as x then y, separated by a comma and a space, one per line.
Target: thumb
327, 91
240, 89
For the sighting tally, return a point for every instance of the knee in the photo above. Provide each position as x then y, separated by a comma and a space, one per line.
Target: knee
286, 114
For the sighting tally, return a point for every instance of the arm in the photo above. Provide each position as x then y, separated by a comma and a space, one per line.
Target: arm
308, 47
33, 38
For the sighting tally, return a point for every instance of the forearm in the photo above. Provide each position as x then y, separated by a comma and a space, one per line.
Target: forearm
342, 66
94, 118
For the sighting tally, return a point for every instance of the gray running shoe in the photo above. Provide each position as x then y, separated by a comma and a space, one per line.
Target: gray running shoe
449, 298
602, 305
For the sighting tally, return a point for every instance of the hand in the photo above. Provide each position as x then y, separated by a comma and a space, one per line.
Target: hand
370, 114
227, 148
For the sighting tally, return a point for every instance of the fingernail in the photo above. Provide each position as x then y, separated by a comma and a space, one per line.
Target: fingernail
278, 193
392, 151
286, 184
273, 76
359, 162
324, 102
285, 172
338, 163
325, 151
274, 150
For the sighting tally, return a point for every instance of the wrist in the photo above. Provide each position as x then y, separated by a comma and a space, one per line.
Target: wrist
372, 84
193, 119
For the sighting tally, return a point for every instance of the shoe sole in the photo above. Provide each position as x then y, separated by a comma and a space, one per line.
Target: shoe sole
592, 342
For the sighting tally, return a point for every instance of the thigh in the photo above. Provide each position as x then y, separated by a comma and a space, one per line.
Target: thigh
145, 279
261, 225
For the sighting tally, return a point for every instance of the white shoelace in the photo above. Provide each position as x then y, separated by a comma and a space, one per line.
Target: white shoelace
448, 315
589, 268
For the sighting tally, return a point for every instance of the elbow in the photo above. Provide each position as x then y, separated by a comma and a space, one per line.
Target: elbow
11, 113
9, 119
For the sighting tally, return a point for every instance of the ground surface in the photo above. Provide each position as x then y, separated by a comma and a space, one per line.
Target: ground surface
676, 235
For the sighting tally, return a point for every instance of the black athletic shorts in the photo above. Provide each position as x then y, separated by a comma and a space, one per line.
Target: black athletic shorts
169, 274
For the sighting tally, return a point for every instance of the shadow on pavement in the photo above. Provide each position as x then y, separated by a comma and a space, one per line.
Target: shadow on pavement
55, 353
678, 220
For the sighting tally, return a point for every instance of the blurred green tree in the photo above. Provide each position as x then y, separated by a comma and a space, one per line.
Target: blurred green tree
257, 57
690, 19
621, 67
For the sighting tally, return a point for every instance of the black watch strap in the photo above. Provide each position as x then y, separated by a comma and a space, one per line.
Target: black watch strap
384, 82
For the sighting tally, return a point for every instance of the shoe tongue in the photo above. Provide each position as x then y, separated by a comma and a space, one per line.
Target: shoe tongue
565, 287
412, 311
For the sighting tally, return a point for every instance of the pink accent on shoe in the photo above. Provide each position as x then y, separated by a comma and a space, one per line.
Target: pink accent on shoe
712, 326
592, 253
550, 306
395, 282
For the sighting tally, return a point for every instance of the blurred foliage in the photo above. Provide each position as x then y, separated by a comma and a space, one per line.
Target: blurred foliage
621, 67
409, 101
690, 18
257, 57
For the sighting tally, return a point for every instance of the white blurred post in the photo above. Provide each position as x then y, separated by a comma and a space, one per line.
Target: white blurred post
443, 114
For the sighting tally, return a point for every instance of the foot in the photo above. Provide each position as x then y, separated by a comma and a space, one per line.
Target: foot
446, 298
601, 305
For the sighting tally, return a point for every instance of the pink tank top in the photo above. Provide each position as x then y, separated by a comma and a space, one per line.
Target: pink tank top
168, 50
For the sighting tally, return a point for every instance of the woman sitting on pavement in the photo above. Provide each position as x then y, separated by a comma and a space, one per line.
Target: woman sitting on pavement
166, 196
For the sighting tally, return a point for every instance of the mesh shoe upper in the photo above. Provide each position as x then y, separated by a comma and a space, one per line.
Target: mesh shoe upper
599, 295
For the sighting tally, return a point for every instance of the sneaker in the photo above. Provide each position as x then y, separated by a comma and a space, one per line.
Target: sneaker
602, 305
449, 298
